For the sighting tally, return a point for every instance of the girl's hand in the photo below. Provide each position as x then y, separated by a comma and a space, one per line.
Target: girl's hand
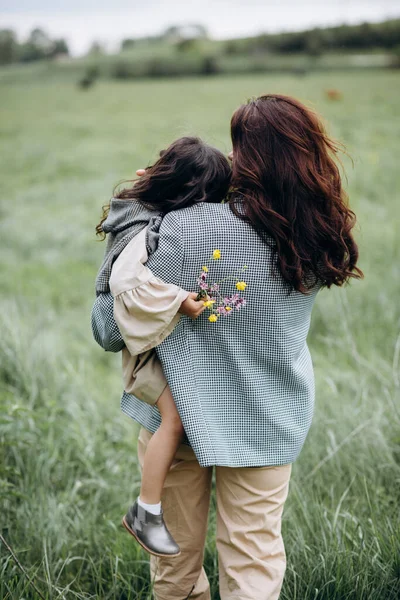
191, 307
140, 172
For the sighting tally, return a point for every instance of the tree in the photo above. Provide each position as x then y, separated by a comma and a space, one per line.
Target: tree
8, 46
96, 48
232, 47
28, 52
186, 44
40, 40
59, 47
38, 46
127, 43
314, 43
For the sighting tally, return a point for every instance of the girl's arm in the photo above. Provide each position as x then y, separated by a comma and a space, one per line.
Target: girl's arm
145, 307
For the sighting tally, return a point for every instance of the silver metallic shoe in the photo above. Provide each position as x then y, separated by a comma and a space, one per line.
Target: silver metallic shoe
150, 531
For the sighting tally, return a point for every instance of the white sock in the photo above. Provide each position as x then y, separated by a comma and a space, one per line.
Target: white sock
154, 509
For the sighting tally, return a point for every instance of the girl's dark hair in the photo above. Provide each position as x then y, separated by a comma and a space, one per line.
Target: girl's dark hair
188, 171
285, 174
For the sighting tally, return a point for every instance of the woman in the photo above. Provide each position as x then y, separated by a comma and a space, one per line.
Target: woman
244, 387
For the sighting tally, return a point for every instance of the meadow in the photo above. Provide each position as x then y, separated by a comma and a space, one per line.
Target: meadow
68, 467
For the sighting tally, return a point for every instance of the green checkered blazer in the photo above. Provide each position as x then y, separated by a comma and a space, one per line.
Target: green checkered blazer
243, 386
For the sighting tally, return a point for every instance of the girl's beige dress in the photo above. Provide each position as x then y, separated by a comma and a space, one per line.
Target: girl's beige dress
146, 311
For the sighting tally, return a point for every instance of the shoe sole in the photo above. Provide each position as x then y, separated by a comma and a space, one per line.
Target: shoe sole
125, 524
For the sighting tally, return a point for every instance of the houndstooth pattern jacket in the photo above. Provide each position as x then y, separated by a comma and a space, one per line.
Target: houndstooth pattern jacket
243, 386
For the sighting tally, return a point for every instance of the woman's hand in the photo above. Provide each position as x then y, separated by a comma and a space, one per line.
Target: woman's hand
191, 307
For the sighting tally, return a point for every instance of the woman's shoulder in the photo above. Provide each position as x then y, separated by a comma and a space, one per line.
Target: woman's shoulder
203, 212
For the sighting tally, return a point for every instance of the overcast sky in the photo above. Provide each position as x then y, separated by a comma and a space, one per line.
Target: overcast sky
82, 21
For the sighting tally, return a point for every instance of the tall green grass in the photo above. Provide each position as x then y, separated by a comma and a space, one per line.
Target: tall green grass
68, 466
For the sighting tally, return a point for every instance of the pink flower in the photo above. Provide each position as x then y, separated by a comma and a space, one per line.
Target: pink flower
234, 299
201, 281
224, 310
240, 303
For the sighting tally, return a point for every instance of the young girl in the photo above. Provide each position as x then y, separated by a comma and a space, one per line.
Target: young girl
189, 171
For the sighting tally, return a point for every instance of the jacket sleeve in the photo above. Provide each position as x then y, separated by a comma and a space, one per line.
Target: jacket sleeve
145, 307
105, 329
167, 255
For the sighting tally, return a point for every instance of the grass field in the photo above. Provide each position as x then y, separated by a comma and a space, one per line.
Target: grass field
68, 462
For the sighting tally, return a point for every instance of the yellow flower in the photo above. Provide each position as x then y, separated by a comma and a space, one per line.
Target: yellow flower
213, 318
205, 269
209, 303
216, 254
241, 286
228, 308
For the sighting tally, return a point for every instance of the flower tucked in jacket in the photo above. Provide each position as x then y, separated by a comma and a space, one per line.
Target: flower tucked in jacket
211, 295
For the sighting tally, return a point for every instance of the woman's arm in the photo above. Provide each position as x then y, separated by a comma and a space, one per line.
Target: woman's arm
104, 328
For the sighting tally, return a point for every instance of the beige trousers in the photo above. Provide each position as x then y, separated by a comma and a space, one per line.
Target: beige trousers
251, 553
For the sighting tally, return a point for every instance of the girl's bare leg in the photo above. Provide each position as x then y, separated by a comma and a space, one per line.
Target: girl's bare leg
161, 449
144, 519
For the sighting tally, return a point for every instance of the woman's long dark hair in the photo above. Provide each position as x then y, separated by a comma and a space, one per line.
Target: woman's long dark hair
285, 174
188, 171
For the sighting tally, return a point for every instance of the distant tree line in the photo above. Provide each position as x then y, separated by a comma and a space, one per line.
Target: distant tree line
38, 46
366, 36
192, 40
299, 52
178, 34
